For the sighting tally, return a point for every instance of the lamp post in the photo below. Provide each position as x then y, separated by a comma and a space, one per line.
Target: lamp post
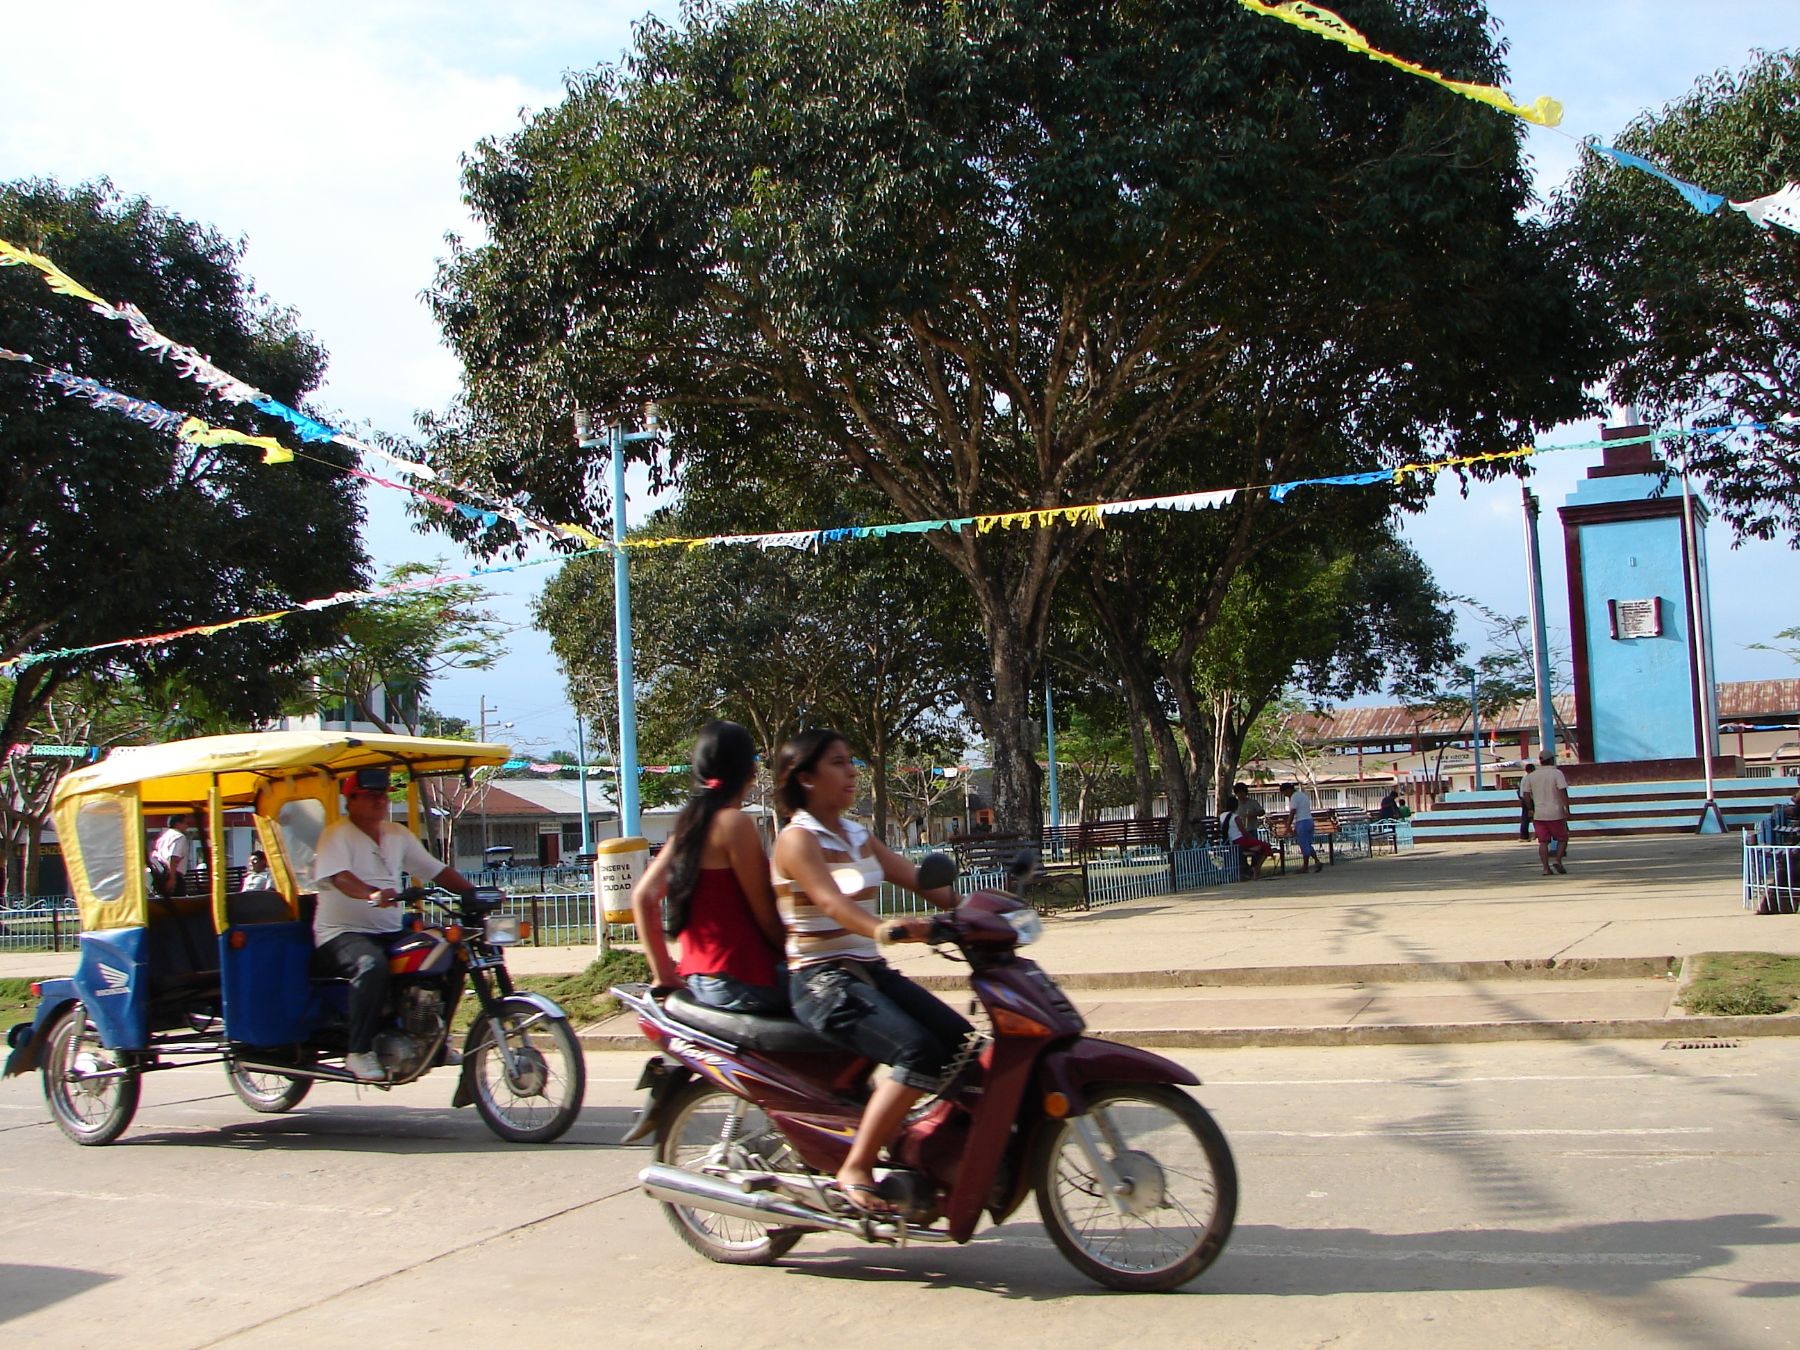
1540, 641
616, 439
1475, 722
587, 833
498, 726
1050, 746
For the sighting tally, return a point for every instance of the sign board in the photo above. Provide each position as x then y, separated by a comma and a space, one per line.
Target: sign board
1636, 618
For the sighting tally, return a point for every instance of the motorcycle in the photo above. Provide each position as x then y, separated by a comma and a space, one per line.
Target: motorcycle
752, 1116
169, 981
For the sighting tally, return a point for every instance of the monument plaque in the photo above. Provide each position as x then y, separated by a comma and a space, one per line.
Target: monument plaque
1636, 618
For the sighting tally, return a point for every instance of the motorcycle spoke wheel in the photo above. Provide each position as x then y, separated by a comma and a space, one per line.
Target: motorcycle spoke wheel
706, 1130
267, 1093
540, 1096
1181, 1189
89, 1101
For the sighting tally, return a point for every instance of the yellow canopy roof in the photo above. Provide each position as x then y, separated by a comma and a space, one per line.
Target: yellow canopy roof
179, 773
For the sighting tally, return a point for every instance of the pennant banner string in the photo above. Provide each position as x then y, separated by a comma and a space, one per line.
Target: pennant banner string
1091, 514
192, 365
1779, 208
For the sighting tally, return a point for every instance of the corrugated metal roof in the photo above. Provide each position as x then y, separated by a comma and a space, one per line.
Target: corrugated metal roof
1392, 723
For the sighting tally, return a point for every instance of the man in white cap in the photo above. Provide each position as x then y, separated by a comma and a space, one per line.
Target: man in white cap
1547, 791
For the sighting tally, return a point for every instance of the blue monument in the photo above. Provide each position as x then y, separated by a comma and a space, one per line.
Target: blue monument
1643, 686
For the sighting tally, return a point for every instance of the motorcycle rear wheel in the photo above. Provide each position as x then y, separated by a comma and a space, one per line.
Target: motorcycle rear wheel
268, 1094
540, 1099
89, 1109
694, 1133
1182, 1198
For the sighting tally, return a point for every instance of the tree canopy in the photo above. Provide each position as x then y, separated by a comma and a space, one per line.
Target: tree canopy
1706, 303
109, 529
1003, 255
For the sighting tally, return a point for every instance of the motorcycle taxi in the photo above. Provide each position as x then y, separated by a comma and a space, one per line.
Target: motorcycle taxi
226, 976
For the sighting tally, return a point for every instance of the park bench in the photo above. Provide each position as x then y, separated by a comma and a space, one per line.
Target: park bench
1328, 825
979, 852
1093, 837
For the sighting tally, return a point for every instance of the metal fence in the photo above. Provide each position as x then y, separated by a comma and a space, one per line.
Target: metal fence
41, 924
1771, 877
1140, 874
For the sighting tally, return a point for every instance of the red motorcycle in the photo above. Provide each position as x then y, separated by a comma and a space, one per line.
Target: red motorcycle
752, 1116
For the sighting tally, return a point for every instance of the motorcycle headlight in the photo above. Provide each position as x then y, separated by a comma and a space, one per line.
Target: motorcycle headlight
1026, 924
502, 929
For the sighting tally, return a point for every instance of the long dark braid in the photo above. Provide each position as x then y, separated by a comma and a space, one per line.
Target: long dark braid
724, 760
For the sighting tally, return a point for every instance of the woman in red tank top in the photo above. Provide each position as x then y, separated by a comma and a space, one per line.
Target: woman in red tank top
709, 888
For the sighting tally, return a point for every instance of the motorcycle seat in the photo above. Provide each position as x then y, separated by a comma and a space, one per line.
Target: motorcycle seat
748, 1031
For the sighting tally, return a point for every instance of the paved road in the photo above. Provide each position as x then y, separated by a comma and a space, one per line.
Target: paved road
1606, 1194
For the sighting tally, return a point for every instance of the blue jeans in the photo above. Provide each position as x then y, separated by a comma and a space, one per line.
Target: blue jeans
871, 1008
729, 995
1303, 835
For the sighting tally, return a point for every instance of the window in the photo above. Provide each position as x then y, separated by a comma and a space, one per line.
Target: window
100, 828
302, 821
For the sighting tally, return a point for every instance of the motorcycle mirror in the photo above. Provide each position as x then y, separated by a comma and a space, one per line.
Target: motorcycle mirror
1023, 867
936, 870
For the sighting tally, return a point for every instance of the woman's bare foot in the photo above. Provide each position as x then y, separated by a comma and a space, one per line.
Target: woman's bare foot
858, 1186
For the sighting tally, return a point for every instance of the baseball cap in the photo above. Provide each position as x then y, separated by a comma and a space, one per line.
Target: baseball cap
367, 780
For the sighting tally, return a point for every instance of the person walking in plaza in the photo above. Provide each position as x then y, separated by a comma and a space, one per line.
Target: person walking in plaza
1301, 818
1546, 793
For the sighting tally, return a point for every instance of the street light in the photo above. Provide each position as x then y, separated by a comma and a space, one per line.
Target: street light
498, 726
617, 438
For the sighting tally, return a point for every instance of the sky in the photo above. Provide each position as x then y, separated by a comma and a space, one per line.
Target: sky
329, 136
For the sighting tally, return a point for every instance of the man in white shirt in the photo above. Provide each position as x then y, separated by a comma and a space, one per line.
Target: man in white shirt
1548, 792
358, 870
171, 856
1302, 820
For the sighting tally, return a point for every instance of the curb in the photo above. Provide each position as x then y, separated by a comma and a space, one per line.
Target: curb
1402, 972
1436, 1033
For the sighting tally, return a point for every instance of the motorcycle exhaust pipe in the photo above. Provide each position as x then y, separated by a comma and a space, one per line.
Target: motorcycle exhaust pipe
695, 1190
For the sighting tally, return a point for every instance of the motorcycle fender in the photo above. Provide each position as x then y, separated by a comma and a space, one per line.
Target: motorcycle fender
664, 1080
465, 1085
1070, 1068
27, 1038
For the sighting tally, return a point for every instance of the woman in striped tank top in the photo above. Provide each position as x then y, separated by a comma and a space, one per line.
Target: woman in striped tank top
828, 874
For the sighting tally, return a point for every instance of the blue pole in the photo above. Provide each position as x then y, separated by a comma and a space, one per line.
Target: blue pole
628, 765
1475, 721
1050, 745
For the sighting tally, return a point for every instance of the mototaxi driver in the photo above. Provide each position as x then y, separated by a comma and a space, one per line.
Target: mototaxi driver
358, 867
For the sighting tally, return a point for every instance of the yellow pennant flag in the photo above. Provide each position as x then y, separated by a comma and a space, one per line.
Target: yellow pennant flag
60, 281
196, 432
1546, 112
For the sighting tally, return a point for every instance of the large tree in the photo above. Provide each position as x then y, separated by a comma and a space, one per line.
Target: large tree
1004, 255
1707, 302
111, 530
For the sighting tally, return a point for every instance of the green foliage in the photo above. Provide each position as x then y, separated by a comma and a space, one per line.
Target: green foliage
1705, 304
1000, 256
109, 529
402, 644
583, 994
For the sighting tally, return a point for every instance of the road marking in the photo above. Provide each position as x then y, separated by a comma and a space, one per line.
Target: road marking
112, 1197
1413, 1080
1426, 1132
1443, 1254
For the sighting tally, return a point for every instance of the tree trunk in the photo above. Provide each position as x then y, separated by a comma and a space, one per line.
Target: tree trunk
1012, 734
1143, 784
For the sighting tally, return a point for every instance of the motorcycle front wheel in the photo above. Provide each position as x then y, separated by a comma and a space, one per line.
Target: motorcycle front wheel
92, 1094
267, 1093
539, 1096
1178, 1188
706, 1127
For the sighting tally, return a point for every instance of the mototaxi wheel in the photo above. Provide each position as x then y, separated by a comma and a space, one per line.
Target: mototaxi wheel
541, 1096
1180, 1183
704, 1127
92, 1093
268, 1094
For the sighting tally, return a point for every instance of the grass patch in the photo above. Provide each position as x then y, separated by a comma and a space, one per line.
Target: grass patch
16, 1003
582, 995
1742, 984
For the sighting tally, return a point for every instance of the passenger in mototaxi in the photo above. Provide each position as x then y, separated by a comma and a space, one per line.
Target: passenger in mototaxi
359, 865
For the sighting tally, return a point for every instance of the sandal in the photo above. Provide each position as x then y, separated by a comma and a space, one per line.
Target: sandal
847, 1189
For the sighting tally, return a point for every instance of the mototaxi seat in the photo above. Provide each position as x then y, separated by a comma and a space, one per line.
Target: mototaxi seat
751, 1031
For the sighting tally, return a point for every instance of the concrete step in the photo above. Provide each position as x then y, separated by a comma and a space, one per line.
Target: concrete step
1606, 809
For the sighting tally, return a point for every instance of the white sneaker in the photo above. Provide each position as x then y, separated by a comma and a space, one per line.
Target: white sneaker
365, 1067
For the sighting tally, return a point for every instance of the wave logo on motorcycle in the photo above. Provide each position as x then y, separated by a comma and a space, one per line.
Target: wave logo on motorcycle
166, 981
1133, 1179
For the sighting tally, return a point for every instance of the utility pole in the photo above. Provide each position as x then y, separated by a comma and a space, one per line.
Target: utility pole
1475, 722
1050, 746
1540, 642
486, 711
587, 833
